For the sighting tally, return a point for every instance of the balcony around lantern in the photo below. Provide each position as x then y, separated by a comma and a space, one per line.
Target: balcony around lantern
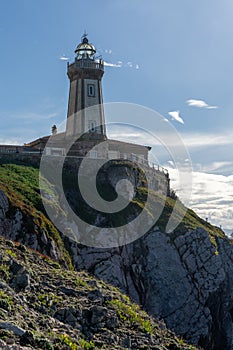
87, 63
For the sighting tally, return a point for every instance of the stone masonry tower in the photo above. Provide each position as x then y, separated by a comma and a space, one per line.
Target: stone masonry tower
85, 76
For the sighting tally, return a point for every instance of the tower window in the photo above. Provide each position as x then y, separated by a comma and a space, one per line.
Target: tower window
91, 90
93, 154
92, 126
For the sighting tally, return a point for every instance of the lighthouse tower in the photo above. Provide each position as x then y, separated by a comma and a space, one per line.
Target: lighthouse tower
85, 76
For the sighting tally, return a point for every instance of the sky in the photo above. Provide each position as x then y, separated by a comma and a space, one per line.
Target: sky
174, 57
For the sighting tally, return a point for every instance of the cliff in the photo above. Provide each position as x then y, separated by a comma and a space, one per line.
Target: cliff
44, 306
184, 277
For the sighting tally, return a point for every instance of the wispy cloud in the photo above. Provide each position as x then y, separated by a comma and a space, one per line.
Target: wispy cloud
120, 64
176, 116
132, 65
104, 51
110, 64
215, 167
200, 104
207, 139
63, 58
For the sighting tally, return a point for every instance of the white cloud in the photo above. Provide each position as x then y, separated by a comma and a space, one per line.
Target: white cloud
116, 65
212, 107
212, 197
176, 116
63, 58
200, 104
120, 64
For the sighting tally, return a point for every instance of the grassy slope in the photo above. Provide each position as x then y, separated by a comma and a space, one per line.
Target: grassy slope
21, 185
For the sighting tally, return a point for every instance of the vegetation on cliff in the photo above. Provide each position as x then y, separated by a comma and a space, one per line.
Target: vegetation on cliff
21, 184
45, 306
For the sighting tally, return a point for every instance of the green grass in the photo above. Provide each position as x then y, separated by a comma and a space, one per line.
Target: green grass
129, 313
4, 272
73, 345
11, 253
6, 301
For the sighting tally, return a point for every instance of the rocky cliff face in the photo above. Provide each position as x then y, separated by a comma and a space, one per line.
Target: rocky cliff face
43, 306
21, 228
184, 278
18, 226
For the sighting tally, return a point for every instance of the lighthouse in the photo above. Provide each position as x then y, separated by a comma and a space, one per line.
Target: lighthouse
85, 116
85, 134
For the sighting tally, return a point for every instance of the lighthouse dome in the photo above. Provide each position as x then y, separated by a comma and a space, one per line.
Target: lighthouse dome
85, 50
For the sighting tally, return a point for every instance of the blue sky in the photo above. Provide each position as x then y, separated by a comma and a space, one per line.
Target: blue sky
171, 52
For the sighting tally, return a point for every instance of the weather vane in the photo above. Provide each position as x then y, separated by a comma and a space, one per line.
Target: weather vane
85, 34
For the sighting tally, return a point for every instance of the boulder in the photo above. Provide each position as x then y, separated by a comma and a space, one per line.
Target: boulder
12, 328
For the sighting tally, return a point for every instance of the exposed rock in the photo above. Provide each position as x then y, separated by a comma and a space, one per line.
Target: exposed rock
21, 228
21, 281
68, 291
60, 305
95, 294
112, 322
4, 205
21, 277
68, 315
18, 331
5, 346
27, 339
98, 314
126, 343
185, 280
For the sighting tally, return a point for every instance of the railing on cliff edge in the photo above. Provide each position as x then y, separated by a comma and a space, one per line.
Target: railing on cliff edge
129, 157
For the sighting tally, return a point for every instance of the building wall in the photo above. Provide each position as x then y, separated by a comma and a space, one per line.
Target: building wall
127, 150
72, 98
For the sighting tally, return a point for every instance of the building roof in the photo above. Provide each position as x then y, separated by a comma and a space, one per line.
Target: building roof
43, 140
